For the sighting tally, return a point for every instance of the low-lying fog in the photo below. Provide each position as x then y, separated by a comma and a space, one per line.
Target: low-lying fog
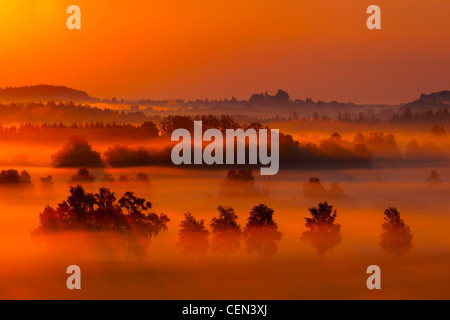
35, 268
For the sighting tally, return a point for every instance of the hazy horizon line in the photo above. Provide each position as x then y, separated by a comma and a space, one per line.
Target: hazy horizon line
229, 98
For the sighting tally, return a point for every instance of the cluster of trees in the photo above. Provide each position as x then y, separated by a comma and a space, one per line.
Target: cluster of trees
425, 151
90, 130
314, 190
83, 175
120, 156
438, 131
241, 183
170, 123
323, 233
65, 112
396, 237
328, 153
43, 92
332, 152
378, 146
131, 217
429, 107
77, 152
12, 176
434, 178
260, 233
439, 115
416, 112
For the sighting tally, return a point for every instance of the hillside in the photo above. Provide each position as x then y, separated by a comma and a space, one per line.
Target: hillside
43, 93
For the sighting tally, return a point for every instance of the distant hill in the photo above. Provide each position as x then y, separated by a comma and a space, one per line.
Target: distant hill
428, 103
442, 96
67, 104
281, 98
43, 93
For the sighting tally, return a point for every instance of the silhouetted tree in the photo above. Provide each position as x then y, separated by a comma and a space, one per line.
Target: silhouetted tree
141, 223
438, 131
171, 123
25, 177
193, 236
47, 181
336, 190
361, 151
100, 212
240, 175
396, 237
123, 156
142, 177
336, 193
226, 232
77, 152
12, 176
82, 207
108, 178
262, 232
434, 177
146, 224
321, 230
82, 175
109, 215
313, 188
239, 182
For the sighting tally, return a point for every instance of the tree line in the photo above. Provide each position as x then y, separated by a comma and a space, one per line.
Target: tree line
132, 218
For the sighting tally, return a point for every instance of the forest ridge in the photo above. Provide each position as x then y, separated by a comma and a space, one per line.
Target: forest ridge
30, 103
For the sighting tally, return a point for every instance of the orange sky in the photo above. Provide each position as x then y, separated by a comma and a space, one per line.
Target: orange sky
222, 48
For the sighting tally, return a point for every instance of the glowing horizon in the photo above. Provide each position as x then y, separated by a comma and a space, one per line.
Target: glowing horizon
199, 49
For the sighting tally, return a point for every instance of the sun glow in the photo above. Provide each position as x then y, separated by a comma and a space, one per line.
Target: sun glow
47, 9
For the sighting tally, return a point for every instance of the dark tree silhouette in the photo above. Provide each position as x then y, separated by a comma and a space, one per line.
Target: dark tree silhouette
108, 178
193, 236
434, 178
123, 156
77, 152
109, 215
46, 181
438, 131
141, 176
336, 192
321, 230
142, 224
226, 232
396, 237
313, 189
240, 182
171, 123
25, 177
100, 212
146, 224
81, 204
82, 175
240, 175
13, 176
261, 231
